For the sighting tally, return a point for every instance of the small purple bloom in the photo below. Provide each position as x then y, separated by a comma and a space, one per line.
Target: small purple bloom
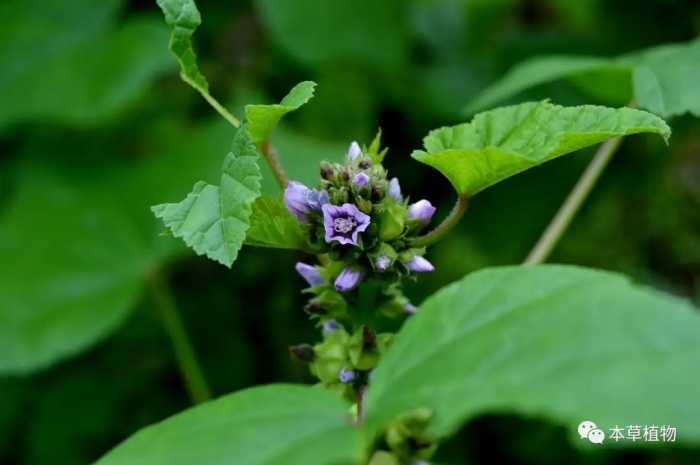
309, 273
421, 211
360, 179
395, 189
348, 279
300, 200
344, 223
346, 376
409, 308
330, 326
419, 264
382, 263
354, 151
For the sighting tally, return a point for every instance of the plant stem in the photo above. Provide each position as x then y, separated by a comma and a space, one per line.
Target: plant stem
573, 202
443, 228
212, 101
184, 353
270, 155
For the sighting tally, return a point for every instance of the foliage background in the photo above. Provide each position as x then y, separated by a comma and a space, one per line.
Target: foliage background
95, 126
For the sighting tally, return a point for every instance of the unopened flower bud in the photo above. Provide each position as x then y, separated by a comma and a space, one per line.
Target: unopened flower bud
395, 189
329, 326
346, 376
303, 352
421, 211
382, 263
409, 308
419, 264
326, 170
348, 279
309, 273
360, 179
354, 151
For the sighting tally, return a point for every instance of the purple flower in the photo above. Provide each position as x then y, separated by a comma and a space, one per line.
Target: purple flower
395, 189
409, 308
344, 224
421, 211
354, 151
360, 179
382, 263
300, 200
330, 326
419, 264
348, 279
309, 273
346, 376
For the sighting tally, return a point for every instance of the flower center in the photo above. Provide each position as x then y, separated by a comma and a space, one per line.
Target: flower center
344, 225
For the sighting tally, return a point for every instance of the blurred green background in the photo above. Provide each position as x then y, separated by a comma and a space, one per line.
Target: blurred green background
96, 126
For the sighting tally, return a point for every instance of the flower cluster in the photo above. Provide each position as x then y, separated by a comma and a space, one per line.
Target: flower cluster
362, 228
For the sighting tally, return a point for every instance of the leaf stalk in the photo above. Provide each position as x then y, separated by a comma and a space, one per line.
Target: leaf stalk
447, 224
556, 228
190, 370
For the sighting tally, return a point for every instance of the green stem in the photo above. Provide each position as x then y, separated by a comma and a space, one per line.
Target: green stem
573, 202
184, 353
448, 223
270, 155
214, 103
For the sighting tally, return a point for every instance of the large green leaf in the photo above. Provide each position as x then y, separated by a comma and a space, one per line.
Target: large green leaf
318, 32
262, 119
563, 342
71, 63
82, 241
665, 78
74, 266
271, 225
500, 143
540, 70
213, 220
661, 79
275, 424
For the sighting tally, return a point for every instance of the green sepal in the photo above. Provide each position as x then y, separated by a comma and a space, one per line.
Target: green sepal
331, 356
392, 220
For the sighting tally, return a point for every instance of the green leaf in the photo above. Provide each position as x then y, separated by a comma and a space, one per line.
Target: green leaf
500, 143
213, 220
82, 68
275, 424
665, 78
563, 342
183, 17
315, 32
262, 119
75, 264
661, 79
541, 70
271, 225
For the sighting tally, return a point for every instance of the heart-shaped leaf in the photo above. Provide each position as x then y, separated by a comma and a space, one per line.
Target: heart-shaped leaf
563, 342
213, 220
500, 143
269, 425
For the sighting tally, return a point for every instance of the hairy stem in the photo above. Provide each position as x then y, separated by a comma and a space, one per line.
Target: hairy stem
270, 155
573, 202
184, 353
448, 223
